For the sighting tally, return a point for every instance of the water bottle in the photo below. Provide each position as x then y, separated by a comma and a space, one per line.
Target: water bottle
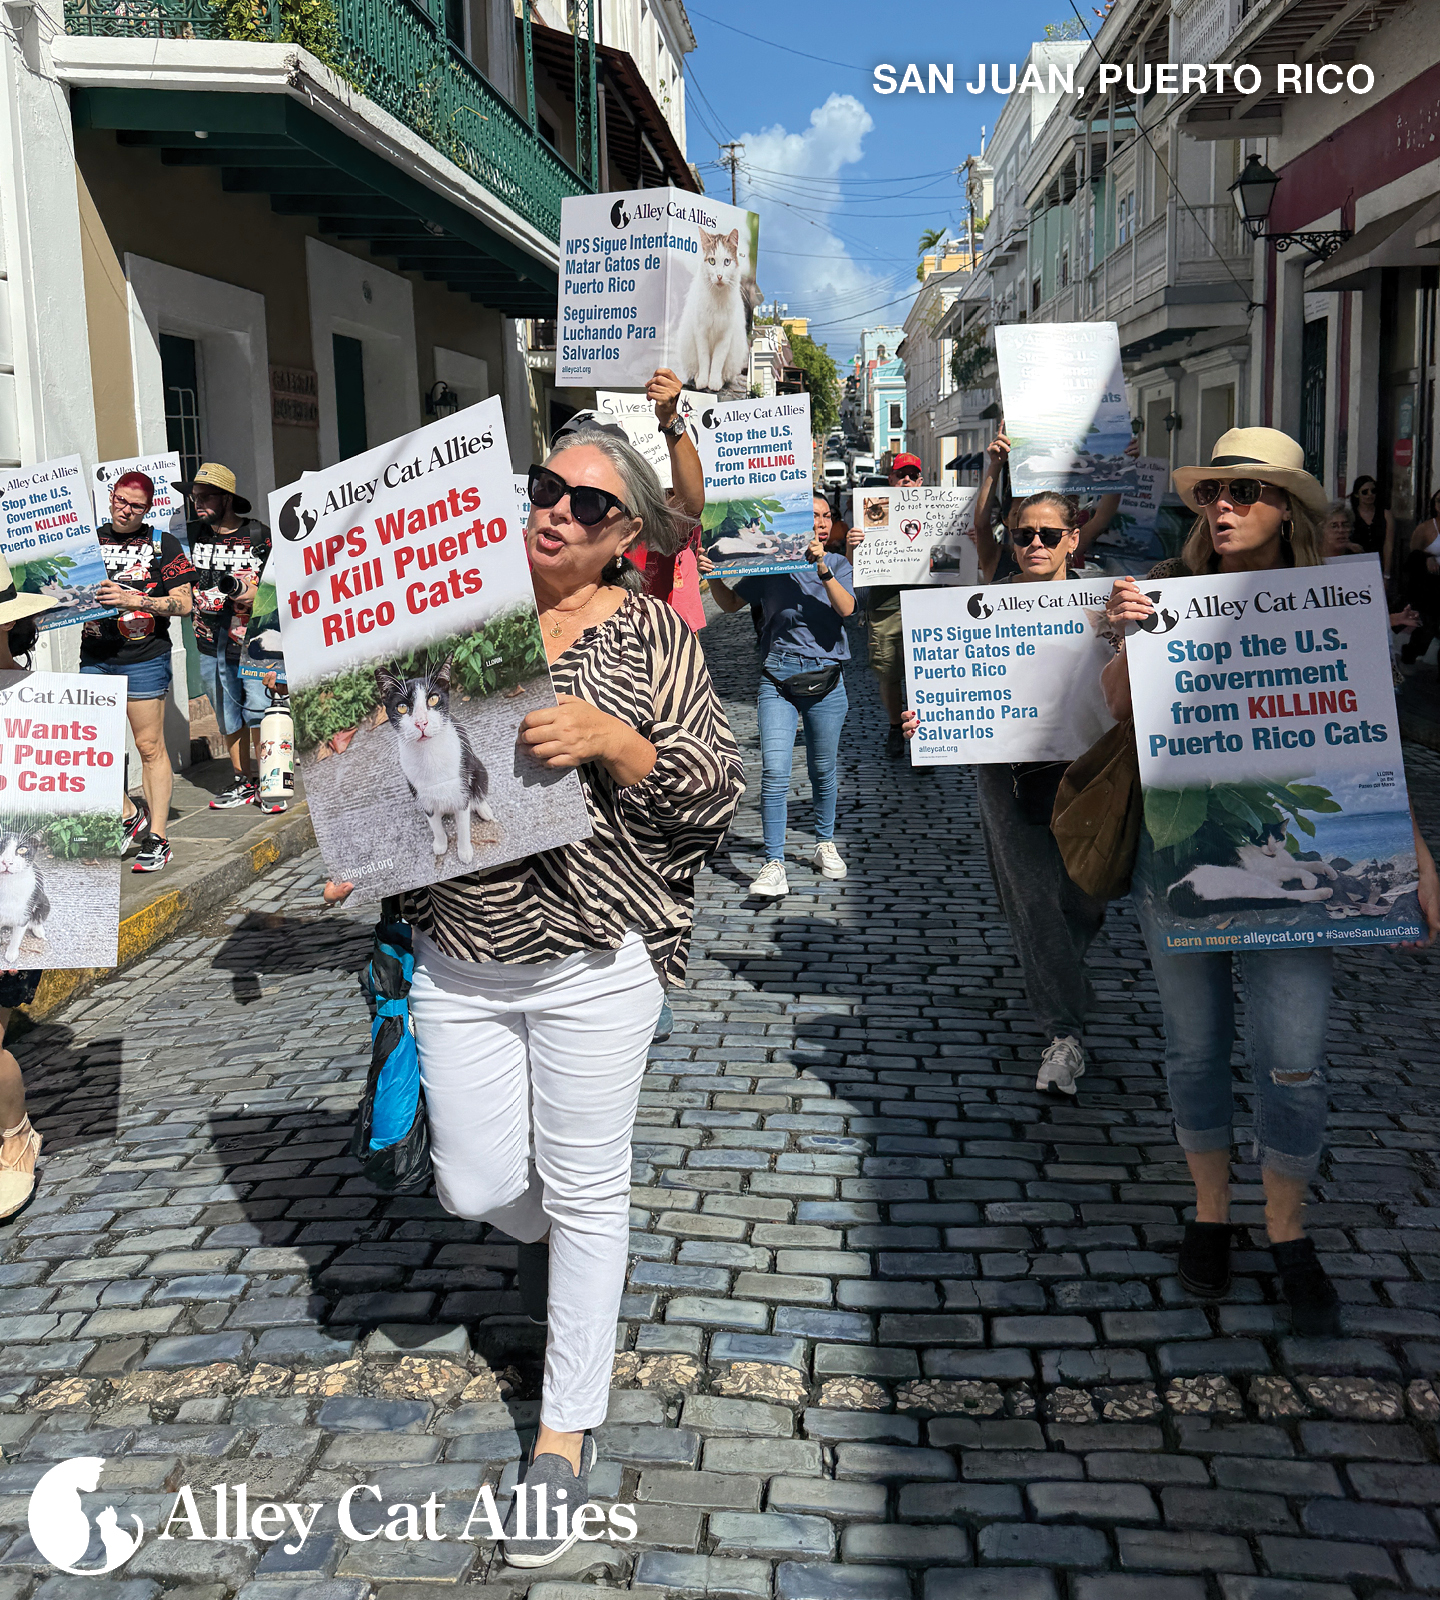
277, 751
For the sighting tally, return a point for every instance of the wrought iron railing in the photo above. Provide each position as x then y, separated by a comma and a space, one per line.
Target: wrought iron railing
396, 54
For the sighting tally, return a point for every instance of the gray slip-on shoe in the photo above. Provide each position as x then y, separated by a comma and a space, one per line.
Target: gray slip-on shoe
564, 1490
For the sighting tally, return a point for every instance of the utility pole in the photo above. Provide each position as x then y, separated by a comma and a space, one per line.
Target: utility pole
732, 161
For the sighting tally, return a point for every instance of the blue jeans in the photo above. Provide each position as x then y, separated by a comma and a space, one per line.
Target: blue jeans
145, 680
238, 702
1287, 1011
778, 720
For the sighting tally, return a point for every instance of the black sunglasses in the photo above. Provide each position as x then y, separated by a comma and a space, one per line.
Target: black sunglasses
1239, 491
589, 506
1023, 538
908, 475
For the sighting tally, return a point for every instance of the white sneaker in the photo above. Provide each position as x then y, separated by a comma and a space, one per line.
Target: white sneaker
1060, 1064
827, 860
771, 882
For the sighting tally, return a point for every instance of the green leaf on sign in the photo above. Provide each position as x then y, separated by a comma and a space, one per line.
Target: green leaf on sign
1174, 814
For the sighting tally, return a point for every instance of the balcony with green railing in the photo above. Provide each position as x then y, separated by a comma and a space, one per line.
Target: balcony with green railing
394, 52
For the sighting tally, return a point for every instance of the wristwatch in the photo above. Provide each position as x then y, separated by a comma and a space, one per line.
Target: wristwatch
675, 427
825, 575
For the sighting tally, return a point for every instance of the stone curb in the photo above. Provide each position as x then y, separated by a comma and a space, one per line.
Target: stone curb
181, 900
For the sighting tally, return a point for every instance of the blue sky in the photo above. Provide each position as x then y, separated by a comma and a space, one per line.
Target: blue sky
845, 180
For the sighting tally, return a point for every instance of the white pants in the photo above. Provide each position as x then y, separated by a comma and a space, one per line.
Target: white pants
562, 1045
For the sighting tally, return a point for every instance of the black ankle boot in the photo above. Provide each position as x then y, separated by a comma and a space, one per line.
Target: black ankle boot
1314, 1305
1205, 1259
533, 1280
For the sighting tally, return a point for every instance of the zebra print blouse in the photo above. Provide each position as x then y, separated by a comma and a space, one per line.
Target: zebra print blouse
637, 869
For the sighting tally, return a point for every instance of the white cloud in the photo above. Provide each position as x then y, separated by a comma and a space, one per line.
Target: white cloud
789, 179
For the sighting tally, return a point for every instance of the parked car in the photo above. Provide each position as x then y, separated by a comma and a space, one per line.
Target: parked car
833, 474
861, 466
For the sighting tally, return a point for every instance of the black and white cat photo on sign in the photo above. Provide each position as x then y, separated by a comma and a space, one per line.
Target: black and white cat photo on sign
656, 278
413, 653
62, 764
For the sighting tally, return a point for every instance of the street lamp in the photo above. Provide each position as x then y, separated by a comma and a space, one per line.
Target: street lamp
1254, 192
442, 401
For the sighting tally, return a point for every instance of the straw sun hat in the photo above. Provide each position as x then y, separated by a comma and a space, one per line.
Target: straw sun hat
13, 606
1264, 453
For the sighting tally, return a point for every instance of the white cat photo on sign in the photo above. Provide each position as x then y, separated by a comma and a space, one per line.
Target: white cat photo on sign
656, 278
413, 653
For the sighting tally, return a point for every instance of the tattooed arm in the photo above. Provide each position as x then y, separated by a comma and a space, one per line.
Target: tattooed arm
174, 604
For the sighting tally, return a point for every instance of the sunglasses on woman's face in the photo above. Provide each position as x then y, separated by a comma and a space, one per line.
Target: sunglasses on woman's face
1023, 538
589, 506
1238, 491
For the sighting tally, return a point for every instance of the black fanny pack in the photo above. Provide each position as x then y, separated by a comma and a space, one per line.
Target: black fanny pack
807, 688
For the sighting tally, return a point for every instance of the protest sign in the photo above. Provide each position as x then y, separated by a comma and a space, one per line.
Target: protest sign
756, 456
1131, 544
167, 510
50, 541
261, 652
634, 415
1006, 672
1270, 759
62, 765
914, 536
413, 652
1066, 414
655, 278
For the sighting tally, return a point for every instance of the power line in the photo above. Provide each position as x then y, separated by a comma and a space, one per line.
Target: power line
732, 161
849, 66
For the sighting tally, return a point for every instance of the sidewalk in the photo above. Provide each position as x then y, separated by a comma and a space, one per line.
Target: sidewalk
216, 855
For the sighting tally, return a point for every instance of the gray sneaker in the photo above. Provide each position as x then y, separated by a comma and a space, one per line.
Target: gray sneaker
1061, 1063
564, 1491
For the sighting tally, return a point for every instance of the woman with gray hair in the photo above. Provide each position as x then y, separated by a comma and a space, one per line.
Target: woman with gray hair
537, 986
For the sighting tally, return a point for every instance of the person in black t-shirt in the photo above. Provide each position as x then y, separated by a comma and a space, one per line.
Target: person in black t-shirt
148, 579
229, 548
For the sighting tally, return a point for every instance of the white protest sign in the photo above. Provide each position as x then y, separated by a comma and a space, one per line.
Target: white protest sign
636, 416
914, 536
756, 456
655, 278
413, 652
1130, 543
167, 510
1270, 760
49, 540
62, 764
1006, 672
1066, 414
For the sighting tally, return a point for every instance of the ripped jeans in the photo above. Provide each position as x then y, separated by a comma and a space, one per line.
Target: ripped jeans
1286, 994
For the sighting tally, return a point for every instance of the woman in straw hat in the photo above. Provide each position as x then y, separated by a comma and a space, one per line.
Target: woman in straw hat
1258, 510
19, 1142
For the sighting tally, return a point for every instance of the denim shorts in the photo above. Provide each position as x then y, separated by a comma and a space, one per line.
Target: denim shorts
238, 702
148, 680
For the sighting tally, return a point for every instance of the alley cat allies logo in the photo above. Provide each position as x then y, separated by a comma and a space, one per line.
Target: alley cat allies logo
619, 216
979, 607
1161, 619
60, 1527
295, 520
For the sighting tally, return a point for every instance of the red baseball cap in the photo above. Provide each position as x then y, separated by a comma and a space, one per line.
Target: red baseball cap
896, 462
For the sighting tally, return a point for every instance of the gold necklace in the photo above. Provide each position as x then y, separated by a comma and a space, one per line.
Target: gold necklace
574, 611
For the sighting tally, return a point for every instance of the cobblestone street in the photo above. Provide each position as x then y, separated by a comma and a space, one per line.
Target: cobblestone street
897, 1328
